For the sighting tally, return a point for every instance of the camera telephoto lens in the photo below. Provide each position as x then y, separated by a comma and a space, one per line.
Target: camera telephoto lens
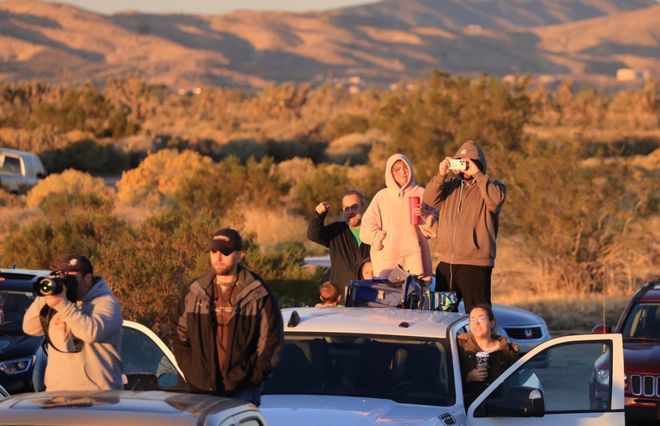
46, 286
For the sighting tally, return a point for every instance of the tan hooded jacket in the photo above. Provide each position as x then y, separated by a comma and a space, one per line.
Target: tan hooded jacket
387, 220
96, 321
469, 212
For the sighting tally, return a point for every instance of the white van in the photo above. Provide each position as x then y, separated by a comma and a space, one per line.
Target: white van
19, 170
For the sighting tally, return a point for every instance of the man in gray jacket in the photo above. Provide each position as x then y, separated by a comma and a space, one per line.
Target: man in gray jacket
469, 205
84, 335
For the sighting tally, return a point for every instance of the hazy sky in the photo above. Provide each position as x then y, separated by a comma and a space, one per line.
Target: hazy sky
207, 6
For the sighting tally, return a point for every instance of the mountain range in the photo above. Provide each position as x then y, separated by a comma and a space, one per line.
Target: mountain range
381, 43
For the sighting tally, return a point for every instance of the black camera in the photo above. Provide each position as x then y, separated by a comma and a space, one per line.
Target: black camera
55, 284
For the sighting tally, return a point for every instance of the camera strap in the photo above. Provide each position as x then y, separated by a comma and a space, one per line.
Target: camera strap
45, 315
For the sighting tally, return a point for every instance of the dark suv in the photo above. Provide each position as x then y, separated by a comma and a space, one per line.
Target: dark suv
18, 352
640, 326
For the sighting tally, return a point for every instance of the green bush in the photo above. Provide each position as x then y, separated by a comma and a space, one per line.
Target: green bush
68, 189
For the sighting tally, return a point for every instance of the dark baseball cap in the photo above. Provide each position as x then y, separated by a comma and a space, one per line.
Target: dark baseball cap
226, 241
75, 263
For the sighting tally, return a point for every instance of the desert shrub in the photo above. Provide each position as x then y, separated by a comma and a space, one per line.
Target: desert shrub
159, 177
577, 220
7, 199
223, 185
327, 182
146, 265
243, 149
344, 124
431, 122
69, 188
88, 156
42, 242
353, 147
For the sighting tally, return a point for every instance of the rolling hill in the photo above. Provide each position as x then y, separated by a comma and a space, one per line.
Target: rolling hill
383, 42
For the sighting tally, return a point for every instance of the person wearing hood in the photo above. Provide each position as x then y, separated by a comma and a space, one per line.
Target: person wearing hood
395, 239
469, 205
83, 336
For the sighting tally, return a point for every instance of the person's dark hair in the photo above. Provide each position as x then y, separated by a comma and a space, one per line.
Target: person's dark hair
360, 195
329, 292
479, 165
487, 308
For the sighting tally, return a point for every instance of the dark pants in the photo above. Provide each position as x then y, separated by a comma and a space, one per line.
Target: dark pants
471, 283
250, 394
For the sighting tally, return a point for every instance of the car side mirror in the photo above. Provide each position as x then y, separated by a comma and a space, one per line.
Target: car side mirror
520, 402
601, 329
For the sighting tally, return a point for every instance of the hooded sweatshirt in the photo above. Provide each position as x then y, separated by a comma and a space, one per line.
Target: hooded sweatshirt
469, 212
387, 220
96, 321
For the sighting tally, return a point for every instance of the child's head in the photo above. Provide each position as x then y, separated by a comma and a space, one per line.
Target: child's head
329, 293
366, 270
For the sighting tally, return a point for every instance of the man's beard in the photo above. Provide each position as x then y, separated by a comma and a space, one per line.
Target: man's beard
223, 268
354, 221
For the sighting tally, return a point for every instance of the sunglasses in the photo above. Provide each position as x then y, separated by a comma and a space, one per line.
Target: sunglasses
479, 319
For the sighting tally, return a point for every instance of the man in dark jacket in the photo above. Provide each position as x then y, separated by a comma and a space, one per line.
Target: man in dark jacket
469, 205
342, 238
228, 326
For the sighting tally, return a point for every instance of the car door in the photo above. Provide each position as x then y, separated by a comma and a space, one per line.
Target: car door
581, 382
148, 362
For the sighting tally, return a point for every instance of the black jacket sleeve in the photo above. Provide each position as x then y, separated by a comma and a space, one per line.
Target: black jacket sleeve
318, 232
271, 336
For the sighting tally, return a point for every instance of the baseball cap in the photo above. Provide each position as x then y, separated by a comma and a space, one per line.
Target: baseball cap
75, 263
226, 241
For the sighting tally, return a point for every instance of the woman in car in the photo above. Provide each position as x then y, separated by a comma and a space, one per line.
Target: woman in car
483, 354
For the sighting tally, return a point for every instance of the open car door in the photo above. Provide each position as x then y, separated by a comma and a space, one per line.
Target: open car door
568, 381
148, 362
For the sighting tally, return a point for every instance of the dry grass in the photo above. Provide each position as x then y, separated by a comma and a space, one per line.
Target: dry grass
567, 313
272, 227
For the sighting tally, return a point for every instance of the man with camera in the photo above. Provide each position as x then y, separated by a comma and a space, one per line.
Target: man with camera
228, 331
469, 206
81, 320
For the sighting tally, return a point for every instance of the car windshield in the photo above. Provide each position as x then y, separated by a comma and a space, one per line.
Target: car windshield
643, 322
404, 370
13, 305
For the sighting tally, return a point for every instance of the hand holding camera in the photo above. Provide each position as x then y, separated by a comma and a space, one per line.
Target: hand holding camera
56, 287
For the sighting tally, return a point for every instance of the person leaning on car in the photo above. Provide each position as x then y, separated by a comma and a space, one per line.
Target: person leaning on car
228, 330
84, 338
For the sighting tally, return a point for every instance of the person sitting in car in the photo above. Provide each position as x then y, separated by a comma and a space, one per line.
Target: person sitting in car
330, 296
483, 354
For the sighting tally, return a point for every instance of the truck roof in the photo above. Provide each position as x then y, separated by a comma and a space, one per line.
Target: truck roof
371, 321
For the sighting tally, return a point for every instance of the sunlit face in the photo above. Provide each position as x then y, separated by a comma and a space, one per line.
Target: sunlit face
353, 208
224, 264
400, 173
367, 271
480, 324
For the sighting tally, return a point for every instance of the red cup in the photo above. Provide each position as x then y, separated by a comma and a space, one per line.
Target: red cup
413, 203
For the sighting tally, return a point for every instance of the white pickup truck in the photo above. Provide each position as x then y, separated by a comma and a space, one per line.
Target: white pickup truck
374, 366
19, 170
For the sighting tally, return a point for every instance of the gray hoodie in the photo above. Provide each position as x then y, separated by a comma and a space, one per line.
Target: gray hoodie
96, 321
469, 212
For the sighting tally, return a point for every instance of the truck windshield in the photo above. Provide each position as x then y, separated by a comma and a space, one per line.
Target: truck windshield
404, 370
643, 322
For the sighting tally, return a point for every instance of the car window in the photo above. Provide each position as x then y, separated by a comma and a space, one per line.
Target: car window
407, 371
13, 305
643, 321
573, 377
145, 361
11, 165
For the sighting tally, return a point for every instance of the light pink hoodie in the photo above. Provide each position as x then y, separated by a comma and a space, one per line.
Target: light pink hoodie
387, 220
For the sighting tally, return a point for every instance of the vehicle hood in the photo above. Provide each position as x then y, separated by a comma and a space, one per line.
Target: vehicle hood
14, 346
293, 410
641, 357
112, 407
